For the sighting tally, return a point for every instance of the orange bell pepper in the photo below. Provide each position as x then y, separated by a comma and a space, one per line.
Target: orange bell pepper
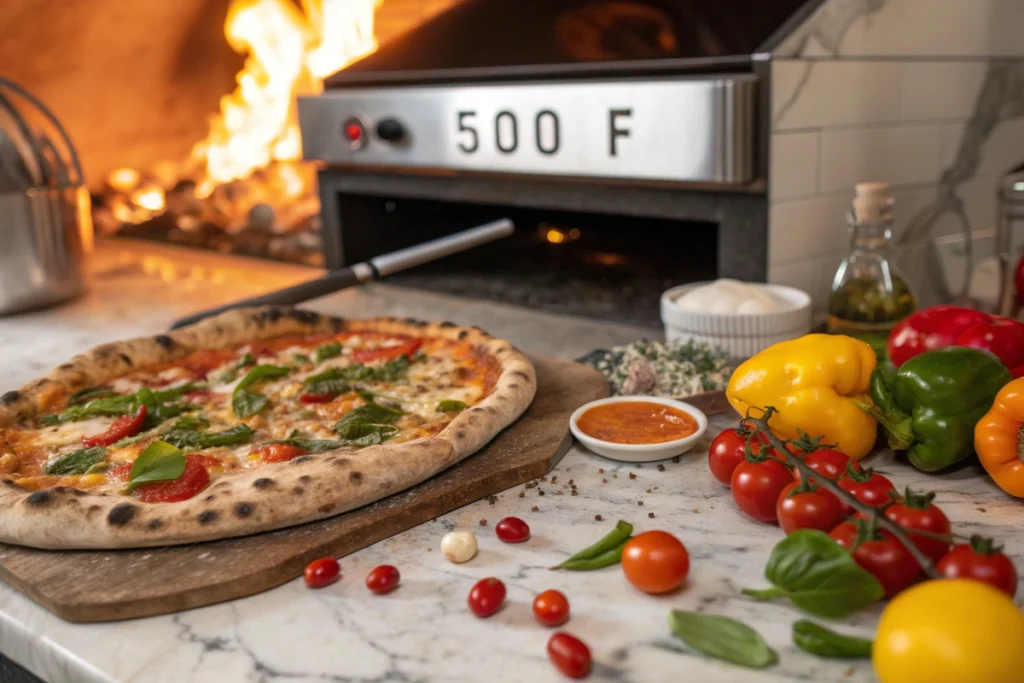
999, 439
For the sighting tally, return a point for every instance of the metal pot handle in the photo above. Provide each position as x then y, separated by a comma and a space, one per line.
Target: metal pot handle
76, 166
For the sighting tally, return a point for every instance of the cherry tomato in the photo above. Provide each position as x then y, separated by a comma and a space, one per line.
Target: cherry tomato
193, 480
917, 512
322, 572
828, 463
277, 452
383, 579
727, 451
486, 597
406, 348
655, 562
883, 556
512, 530
121, 428
808, 507
569, 655
866, 485
308, 399
980, 560
756, 487
551, 608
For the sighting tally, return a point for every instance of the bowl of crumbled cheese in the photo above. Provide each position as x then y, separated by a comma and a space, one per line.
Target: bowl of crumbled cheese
671, 370
741, 318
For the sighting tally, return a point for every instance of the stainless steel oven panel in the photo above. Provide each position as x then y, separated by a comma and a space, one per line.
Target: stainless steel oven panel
669, 129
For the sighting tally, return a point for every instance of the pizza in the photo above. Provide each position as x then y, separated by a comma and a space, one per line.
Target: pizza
253, 420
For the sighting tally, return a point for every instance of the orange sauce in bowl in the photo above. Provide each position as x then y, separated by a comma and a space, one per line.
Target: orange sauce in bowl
636, 422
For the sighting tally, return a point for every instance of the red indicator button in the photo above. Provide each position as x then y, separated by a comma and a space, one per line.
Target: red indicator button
354, 132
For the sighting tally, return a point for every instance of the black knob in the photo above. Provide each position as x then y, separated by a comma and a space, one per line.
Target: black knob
391, 130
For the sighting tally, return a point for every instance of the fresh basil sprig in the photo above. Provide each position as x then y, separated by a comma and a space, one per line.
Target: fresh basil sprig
245, 402
160, 461
192, 438
824, 642
368, 425
451, 406
336, 381
75, 462
818, 575
328, 350
722, 638
158, 406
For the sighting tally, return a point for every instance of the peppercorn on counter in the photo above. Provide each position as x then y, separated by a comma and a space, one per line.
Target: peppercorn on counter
424, 630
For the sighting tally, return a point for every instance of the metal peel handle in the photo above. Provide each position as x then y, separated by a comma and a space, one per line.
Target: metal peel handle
441, 247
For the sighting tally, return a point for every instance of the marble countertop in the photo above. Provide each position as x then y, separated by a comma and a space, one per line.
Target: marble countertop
423, 631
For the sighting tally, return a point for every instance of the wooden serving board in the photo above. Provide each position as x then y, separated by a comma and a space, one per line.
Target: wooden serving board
154, 581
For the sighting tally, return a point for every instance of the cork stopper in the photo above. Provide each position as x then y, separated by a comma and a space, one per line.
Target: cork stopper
872, 202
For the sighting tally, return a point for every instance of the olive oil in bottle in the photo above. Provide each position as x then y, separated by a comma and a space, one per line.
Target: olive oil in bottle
869, 295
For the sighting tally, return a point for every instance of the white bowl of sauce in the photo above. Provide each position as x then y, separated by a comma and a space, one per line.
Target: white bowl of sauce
638, 428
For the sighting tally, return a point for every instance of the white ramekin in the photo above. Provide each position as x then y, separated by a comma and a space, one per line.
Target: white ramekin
647, 452
740, 335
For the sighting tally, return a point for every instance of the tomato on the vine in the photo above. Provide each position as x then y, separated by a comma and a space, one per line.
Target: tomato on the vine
569, 655
727, 451
866, 485
805, 505
655, 562
917, 512
879, 553
828, 462
551, 608
981, 560
756, 487
486, 597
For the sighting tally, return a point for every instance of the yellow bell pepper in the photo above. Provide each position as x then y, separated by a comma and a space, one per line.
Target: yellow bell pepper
817, 383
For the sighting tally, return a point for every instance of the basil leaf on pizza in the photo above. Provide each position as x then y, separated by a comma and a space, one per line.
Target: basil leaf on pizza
245, 402
368, 425
193, 438
85, 395
160, 461
231, 373
327, 351
76, 462
450, 406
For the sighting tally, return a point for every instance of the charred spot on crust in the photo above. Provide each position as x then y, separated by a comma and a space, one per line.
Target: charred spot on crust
298, 491
92, 511
460, 435
207, 499
326, 508
39, 498
154, 524
263, 483
274, 314
340, 462
447, 324
207, 517
127, 359
513, 385
463, 334
414, 322
13, 484
243, 509
66, 366
304, 317
355, 477
164, 341
302, 458
10, 397
121, 514
520, 373
305, 479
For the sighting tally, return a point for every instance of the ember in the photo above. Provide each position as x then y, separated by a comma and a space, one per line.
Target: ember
243, 188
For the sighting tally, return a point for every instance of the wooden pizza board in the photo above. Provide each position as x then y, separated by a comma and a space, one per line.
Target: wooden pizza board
76, 585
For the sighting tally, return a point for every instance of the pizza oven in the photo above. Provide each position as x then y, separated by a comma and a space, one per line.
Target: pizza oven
627, 140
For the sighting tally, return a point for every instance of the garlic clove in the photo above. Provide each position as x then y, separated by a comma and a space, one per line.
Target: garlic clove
459, 546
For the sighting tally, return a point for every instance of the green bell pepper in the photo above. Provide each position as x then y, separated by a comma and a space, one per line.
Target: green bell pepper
929, 406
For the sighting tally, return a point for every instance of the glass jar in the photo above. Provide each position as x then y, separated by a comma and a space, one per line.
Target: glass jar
869, 295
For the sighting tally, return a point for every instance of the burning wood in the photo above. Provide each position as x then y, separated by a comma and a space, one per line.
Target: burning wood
243, 188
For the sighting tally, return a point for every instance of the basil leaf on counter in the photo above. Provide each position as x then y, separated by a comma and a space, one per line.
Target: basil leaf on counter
722, 638
75, 462
245, 402
328, 350
450, 406
191, 438
160, 461
231, 373
824, 642
818, 575
85, 395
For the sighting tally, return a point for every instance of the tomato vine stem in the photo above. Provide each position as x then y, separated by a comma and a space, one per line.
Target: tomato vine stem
872, 514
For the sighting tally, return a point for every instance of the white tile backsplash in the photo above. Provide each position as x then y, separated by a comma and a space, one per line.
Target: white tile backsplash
897, 155
836, 93
940, 90
808, 228
794, 164
1004, 150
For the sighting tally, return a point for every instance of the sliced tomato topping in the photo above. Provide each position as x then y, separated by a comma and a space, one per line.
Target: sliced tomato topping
407, 347
121, 428
306, 399
278, 452
193, 480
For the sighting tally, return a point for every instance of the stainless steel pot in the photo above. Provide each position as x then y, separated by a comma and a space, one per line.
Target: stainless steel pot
45, 218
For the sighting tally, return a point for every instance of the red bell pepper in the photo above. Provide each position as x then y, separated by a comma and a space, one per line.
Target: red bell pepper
121, 428
1001, 336
1018, 281
930, 328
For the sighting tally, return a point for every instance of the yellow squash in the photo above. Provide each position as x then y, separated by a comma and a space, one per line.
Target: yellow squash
817, 383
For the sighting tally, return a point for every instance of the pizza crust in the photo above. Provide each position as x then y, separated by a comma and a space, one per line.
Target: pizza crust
273, 496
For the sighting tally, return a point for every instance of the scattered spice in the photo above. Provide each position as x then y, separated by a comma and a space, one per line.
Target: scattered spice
675, 459
650, 515
615, 475
483, 522
522, 494
982, 510
571, 483
559, 492
696, 509
531, 485
574, 492
649, 491
543, 478
534, 509
604, 481
632, 475
640, 503
554, 479
429, 550
600, 470
639, 466
661, 468
848, 671
540, 493
598, 518
492, 499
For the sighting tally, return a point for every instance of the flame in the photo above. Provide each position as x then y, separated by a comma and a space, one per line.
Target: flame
290, 51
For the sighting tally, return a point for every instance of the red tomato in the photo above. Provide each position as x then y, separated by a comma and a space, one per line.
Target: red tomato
569, 655
727, 451
810, 507
917, 512
408, 347
980, 560
866, 485
883, 556
828, 463
307, 399
486, 597
1001, 336
551, 608
756, 487
193, 480
383, 579
512, 530
277, 452
655, 562
322, 572
121, 428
